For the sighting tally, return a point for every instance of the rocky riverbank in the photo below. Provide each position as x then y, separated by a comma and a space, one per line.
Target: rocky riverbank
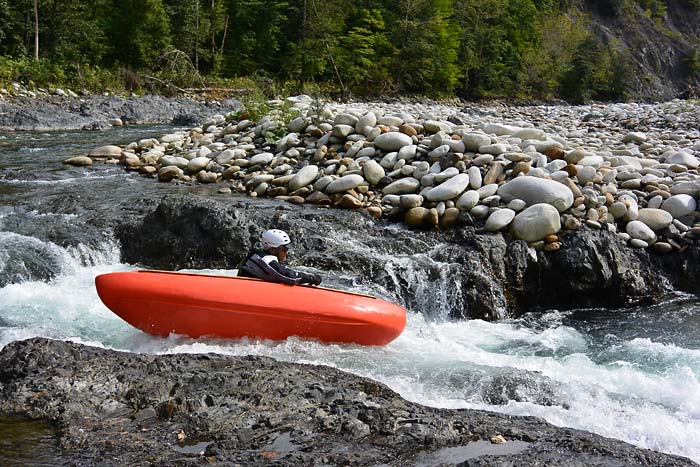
534, 172
120, 409
95, 112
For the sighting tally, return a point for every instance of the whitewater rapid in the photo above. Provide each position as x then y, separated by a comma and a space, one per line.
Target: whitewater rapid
638, 389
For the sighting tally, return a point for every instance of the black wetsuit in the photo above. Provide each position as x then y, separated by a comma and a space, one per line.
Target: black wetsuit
265, 266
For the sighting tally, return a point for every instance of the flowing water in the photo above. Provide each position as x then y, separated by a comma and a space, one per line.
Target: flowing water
631, 374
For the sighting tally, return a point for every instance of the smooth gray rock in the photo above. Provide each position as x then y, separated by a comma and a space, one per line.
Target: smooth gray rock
392, 141
534, 190
472, 141
641, 231
449, 189
373, 171
499, 220
655, 219
536, 222
305, 176
679, 205
402, 186
345, 183
197, 164
263, 158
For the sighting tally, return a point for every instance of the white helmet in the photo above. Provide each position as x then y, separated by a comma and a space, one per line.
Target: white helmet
274, 238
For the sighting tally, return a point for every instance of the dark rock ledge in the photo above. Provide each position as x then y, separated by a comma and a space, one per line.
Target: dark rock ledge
479, 275
94, 112
115, 409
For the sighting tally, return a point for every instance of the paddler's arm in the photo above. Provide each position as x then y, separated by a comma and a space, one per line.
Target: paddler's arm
304, 278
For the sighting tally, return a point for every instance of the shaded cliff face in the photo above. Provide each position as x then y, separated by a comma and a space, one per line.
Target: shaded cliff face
657, 47
129, 409
458, 273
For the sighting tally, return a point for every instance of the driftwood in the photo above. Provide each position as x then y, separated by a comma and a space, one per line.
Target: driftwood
229, 90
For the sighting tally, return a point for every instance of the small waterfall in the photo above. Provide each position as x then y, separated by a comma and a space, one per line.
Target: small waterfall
415, 280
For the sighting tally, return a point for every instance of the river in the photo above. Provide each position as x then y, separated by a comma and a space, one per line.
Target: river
630, 374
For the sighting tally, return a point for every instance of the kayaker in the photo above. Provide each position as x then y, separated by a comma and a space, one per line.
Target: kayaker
268, 264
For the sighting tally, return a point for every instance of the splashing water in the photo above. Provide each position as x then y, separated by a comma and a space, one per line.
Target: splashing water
649, 390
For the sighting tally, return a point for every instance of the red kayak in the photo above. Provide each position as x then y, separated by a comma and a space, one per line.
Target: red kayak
161, 303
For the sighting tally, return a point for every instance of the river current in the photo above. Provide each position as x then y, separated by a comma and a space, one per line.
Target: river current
630, 374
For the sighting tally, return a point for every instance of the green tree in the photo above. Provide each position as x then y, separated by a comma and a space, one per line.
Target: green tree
597, 71
72, 31
139, 32
560, 33
16, 23
188, 23
315, 30
428, 38
364, 53
256, 39
482, 43
497, 37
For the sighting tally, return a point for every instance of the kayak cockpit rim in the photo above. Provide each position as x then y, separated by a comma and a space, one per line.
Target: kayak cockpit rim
160, 271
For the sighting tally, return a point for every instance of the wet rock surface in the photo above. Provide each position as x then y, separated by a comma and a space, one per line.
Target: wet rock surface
96, 112
116, 408
483, 275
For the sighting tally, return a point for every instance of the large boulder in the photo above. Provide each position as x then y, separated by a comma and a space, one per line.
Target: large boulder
492, 277
536, 222
535, 190
119, 408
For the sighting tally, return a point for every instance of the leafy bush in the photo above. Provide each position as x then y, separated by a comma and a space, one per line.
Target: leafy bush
42, 73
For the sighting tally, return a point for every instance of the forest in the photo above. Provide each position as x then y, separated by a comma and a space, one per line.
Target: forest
540, 49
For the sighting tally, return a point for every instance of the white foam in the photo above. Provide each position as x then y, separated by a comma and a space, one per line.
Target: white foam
650, 394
